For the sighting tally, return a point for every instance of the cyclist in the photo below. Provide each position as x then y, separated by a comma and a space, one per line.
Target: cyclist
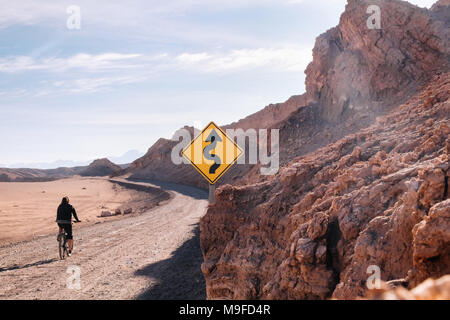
64, 220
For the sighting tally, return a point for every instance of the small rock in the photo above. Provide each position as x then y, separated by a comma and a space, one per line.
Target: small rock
106, 214
118, 212
128, 211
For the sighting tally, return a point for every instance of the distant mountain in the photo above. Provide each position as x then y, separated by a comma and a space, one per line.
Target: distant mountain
126, 158
47, 165
97, 168
100, 168
37, 175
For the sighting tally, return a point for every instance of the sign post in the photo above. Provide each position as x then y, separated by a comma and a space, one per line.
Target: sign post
212, 153
212, 194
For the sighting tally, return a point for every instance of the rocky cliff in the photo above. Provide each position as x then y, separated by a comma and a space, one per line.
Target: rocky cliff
359, 73
378, 195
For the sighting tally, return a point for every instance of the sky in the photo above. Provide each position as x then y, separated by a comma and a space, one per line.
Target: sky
138, 70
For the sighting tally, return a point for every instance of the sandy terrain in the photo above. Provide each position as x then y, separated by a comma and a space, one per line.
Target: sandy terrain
154, 255
28, 209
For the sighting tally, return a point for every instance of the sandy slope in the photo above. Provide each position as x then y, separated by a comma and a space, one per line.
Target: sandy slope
152, 255
28, 209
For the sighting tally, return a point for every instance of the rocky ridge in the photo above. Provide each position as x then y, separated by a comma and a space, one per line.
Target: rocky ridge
376, 196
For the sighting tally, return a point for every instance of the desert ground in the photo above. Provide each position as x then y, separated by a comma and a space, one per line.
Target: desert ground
28, 210
151, 255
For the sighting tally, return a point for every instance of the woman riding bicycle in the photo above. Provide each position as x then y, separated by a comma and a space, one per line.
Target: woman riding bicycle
64, 220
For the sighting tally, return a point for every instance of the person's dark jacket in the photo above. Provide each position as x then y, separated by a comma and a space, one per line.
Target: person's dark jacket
65, 211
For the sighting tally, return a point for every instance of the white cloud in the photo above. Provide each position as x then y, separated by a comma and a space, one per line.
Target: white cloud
289, 58
124, 119
106, 61
73, 86
292, 58
97, 84
161, 21
87, 85
193, 58
117, 12
87, 73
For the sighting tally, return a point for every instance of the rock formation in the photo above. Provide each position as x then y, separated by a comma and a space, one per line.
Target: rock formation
377, 196
100, 168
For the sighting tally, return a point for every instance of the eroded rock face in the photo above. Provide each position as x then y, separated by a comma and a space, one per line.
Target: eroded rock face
357, 68
372, 198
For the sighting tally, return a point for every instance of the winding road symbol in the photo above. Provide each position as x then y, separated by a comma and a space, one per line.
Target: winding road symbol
212, 153
213, 138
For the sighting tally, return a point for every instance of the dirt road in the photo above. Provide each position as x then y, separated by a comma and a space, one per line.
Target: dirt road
154, 255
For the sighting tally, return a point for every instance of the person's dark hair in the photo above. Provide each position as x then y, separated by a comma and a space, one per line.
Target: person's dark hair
65, 200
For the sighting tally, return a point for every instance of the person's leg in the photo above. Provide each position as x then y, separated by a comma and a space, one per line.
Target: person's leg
59, 232
69, 237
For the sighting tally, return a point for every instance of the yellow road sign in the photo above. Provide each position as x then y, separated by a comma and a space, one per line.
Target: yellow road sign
212, 153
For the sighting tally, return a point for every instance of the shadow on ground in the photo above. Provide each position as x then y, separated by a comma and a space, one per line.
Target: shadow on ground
34, 264
190, 191
179, 277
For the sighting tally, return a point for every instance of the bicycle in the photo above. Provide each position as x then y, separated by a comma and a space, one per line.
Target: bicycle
62, 243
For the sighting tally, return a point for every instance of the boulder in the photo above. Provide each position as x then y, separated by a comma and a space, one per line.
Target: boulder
106, 214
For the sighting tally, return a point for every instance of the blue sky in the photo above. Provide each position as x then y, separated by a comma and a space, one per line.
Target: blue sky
139, 70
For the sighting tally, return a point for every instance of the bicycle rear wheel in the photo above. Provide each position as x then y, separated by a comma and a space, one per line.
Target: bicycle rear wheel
62, 247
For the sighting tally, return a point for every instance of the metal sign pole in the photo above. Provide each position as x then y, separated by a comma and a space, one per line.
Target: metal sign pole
212, 194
